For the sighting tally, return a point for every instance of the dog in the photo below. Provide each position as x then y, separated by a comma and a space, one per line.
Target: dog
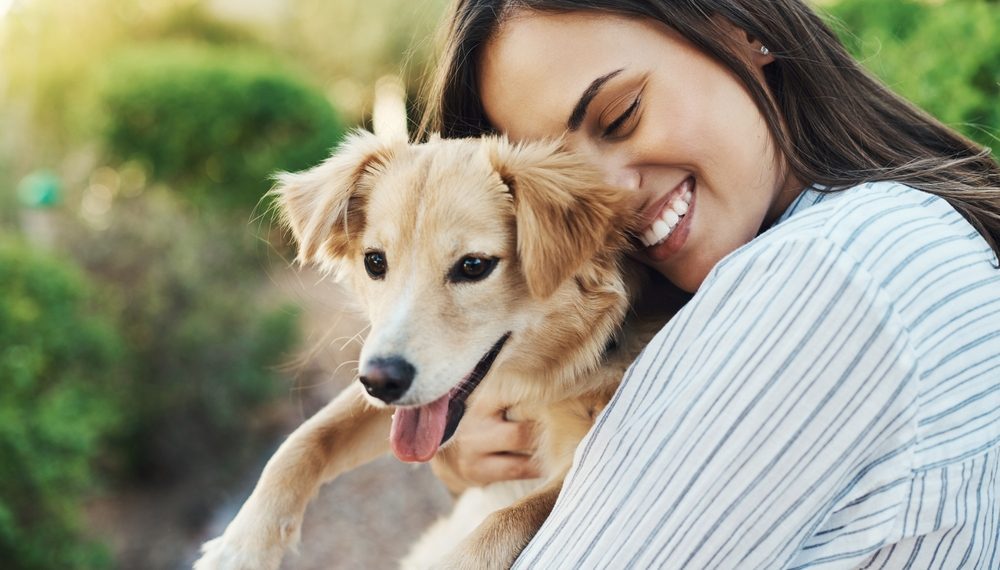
488, 269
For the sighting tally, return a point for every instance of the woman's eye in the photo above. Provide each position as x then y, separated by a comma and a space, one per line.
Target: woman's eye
625, 122
375, 264
472, 268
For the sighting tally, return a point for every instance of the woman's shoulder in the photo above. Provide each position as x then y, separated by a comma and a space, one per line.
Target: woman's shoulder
887, 227
868, 213
909, 247
908, 263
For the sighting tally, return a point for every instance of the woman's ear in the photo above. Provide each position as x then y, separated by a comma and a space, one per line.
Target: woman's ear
759, 54
324, 206
564, 212
744, 44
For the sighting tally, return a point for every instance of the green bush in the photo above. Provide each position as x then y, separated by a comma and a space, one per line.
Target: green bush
59, 362
943, 56
214, 122
202, 336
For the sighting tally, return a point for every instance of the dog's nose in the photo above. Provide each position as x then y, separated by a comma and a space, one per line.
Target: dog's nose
388, 378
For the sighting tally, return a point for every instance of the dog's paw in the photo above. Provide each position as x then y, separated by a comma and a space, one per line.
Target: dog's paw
220, 554
247, 550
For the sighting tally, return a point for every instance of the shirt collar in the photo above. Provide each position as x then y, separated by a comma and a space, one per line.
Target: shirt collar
809, 197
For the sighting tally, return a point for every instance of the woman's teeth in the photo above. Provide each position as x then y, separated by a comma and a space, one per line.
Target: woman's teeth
670, 218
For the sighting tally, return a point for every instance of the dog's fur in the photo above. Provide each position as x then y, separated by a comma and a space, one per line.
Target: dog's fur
560, 288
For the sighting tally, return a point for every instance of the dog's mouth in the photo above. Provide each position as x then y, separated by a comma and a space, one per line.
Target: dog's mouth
417, 432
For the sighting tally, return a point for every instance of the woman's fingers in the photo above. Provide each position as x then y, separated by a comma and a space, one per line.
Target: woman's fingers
494, 435
487, 448
516, 437
503, 467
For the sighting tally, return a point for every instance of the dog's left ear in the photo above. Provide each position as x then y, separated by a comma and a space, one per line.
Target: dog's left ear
565, 212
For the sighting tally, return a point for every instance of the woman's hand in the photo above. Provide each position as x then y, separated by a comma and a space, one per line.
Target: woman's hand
488, 447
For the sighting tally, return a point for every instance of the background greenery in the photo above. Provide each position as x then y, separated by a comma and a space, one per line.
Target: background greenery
140, 330
61, 364
944, 56
213, 122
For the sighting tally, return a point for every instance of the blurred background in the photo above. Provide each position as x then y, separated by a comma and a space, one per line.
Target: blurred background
155, 343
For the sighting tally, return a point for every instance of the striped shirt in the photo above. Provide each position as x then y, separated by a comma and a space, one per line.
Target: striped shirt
830, 398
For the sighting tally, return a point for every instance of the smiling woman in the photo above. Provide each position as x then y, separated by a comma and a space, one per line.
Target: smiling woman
829, 395
656, 114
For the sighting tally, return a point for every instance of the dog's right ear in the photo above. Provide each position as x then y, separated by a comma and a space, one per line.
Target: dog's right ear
324, 206
564, 211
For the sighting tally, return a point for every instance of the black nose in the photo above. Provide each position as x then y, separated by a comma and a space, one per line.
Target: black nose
388, 378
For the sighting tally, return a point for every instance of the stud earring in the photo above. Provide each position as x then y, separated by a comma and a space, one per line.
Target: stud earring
764, 50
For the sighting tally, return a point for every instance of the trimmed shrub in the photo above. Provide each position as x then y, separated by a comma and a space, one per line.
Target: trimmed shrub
59, 363
214, 122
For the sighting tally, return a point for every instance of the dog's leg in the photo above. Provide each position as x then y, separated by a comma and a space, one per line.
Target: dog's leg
348, 432
498, 541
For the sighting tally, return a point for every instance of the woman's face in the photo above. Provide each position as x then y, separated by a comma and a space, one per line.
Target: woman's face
657, 115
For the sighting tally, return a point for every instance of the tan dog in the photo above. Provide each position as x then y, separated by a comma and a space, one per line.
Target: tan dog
486, 268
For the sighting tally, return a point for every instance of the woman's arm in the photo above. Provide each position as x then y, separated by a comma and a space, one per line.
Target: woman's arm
784, 389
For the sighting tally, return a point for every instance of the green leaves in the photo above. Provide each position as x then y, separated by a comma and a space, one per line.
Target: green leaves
60, 361
214, 122
943, 56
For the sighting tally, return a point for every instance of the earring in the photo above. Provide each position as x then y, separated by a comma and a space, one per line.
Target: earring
764, 50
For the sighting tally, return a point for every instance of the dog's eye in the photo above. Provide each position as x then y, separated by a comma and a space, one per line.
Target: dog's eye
472, 268
375, 264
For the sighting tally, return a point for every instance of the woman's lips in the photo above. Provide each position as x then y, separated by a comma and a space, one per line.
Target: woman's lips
669, 222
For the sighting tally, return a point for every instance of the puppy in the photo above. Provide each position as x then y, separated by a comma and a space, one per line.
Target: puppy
488, 269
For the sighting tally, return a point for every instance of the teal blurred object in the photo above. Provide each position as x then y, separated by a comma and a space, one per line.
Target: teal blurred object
40, 189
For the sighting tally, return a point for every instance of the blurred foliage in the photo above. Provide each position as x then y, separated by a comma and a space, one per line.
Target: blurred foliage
352, 43
203, 345
60, 363
51, 50
213, 122
943, 56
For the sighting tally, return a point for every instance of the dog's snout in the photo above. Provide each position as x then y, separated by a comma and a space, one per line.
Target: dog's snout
388, 378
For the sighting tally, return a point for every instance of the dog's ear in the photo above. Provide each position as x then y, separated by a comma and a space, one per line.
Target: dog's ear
324, 206
564, 211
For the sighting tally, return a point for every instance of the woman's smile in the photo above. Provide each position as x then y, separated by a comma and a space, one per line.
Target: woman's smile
667, 222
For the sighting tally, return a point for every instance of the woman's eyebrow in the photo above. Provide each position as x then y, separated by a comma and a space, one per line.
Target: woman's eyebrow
580, 110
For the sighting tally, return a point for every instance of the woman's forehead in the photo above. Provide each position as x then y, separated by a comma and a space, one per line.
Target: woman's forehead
535, 69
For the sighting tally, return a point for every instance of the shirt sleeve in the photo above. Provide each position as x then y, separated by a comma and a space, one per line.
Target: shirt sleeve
744, 423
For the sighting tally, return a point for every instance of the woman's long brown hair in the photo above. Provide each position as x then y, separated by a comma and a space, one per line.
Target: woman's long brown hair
841, 127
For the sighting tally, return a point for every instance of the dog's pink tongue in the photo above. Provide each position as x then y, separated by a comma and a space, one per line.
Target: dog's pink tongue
416, 432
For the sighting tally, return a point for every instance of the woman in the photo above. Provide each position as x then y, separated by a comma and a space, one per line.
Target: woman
830, 395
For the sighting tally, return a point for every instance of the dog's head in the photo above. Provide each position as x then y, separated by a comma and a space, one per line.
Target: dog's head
461, 251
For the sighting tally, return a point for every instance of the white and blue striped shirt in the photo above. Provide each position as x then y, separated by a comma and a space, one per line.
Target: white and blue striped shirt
829, 398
